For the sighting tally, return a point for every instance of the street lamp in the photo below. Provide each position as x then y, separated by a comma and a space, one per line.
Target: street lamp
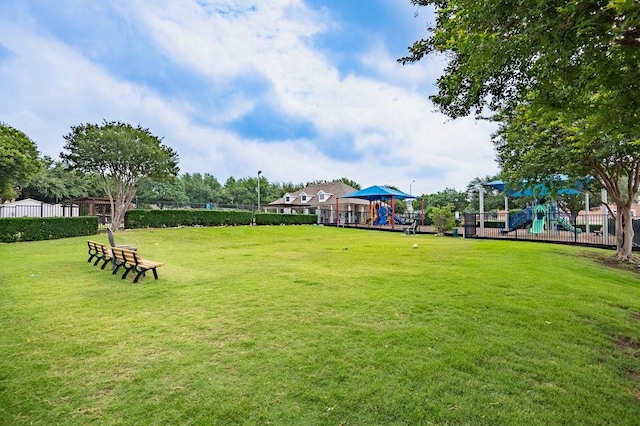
259, 173
409, 205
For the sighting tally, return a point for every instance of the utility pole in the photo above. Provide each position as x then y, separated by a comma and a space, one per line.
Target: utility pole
259, 173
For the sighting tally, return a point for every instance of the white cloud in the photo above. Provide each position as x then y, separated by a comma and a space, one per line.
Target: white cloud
48, 86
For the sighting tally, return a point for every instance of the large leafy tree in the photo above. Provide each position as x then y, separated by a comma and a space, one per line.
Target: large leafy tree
53, 183
536, 140
202, 188
166, 192
493, 199
123, 156
19, 161
448, 197
352, 183
572, 65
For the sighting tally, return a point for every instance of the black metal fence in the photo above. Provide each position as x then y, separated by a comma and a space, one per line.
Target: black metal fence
585, 229
359, 218
160, 205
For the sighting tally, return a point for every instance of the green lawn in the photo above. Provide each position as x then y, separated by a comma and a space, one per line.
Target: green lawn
315, 325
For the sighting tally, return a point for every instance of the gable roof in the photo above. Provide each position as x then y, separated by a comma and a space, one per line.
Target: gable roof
333, 189
24, 202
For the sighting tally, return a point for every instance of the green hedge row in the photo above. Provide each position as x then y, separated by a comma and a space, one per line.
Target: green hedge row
285, 219
46, 228
172, 218
592, 227
494, 223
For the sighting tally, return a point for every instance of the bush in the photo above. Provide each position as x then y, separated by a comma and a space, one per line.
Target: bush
494, 223
427, 216
443, 218
594, 228
172, 218
46, 228
285, 219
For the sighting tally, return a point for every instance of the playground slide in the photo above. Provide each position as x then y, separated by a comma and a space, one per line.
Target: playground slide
567, 225
520, 220
539, 215
537, 227
399, 220
380, 220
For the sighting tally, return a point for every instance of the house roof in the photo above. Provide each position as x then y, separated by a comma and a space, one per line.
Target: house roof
332, 189
23, 202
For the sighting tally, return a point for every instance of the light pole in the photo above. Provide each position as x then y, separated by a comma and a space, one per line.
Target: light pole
259, 173
409, 205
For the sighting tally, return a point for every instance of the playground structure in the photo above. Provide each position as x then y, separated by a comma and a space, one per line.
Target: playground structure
539, 219
383, 215
542, 221
600, 231
543, 216
381, 205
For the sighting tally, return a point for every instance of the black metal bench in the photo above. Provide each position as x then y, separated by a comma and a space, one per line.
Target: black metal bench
99, 251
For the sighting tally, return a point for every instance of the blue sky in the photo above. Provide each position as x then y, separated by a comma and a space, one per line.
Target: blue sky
301, 90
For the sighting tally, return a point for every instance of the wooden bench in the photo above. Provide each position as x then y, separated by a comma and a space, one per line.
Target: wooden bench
131, 261
99, 251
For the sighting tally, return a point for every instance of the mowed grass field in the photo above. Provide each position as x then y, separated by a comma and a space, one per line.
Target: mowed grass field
318, 326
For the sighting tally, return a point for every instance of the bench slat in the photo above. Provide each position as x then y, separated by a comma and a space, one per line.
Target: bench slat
131, 260
98, 251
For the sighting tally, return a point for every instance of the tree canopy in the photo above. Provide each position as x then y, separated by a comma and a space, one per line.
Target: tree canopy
53, 183
498, 51
123, 156
561, 78
19, 161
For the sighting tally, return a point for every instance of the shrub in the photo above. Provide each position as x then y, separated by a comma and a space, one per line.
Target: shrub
443, 218
46, 228
427, 217
172, 218
285, 219
593, 228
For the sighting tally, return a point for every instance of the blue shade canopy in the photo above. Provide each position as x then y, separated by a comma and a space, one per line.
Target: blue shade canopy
538, 190
378, 193
496, 184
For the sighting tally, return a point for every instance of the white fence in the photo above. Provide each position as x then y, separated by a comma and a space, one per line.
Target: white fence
39, 210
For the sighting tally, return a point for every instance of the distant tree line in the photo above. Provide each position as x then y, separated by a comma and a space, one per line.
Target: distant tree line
88, 169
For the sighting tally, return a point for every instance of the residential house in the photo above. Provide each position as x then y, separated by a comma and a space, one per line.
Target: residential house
320, 199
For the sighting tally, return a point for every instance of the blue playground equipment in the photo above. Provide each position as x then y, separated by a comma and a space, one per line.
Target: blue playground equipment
382, 217
520, 219
528, 217
540, 218
399, 220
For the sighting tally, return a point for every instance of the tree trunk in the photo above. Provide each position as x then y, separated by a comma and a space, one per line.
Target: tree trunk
117, 221
624, 234
124, 193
